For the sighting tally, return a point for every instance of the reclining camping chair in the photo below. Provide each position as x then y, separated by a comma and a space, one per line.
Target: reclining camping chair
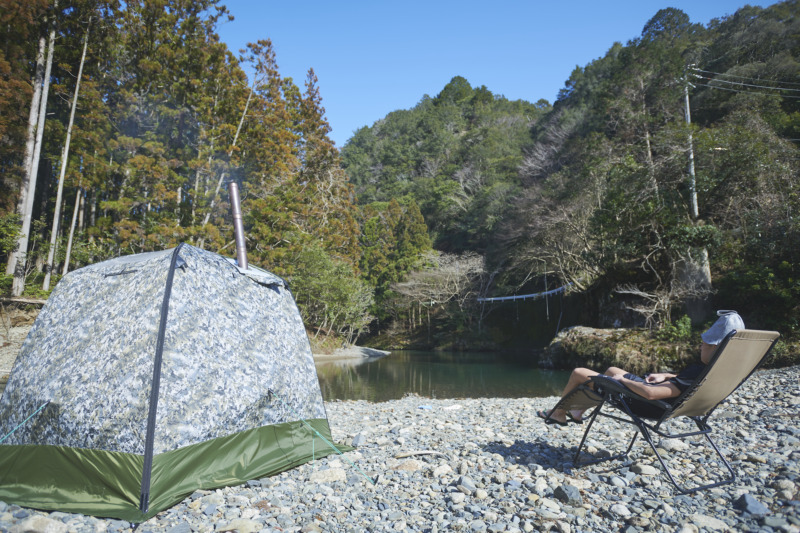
735, 359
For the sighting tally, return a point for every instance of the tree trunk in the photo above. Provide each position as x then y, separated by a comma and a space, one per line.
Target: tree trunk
30, 143
64, 158
429, 325
651, 171
200, 168
82, 212
197, 175
18, 285
319, 328
693, 273
93, 212
72, 230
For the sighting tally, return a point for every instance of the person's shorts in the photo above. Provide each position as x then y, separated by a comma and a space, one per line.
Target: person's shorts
634, 377
640, 407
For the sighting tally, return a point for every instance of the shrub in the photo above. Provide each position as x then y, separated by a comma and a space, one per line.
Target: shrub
678, 331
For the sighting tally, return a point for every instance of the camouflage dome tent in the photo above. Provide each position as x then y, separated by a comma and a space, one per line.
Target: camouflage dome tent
147, 377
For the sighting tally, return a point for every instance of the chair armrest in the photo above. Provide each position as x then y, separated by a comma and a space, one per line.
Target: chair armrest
608, 385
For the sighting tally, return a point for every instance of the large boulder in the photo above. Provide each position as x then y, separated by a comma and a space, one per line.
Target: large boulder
636, 350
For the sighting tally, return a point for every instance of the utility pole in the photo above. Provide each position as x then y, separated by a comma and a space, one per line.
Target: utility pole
692, 178
695, 268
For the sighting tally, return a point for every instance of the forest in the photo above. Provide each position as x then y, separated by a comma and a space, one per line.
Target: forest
661, 184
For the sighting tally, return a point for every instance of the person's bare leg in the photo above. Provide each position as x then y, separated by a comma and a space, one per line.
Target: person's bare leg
578, 376
614, 371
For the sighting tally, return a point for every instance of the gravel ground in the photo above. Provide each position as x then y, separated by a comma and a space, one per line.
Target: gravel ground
490, 465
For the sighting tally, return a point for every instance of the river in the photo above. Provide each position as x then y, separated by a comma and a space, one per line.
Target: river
438, 375
434, 375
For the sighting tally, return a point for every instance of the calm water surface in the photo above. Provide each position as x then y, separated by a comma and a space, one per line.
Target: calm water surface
438, 375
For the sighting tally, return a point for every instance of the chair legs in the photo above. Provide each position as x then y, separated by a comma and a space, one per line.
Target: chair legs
687, 490
644, 429
576, 460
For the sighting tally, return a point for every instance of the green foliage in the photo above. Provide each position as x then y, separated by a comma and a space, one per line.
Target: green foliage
678, 331
329, 294
457, 155
33, 286
393, 240
607, 186
166, 118
5, 284
9, 232
766, 296
785, 353
694, 236
595, 189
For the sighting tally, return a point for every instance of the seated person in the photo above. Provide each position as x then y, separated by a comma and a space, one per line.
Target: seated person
661, 386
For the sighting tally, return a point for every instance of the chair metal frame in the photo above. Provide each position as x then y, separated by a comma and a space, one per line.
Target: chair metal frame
645, 428
606, 391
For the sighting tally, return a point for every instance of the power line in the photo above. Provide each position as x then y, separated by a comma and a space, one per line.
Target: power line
745, 84
743, 77
743, 91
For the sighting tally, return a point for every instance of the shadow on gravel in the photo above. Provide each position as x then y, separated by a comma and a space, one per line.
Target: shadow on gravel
538, 451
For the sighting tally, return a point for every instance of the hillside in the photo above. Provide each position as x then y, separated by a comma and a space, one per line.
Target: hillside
648, 209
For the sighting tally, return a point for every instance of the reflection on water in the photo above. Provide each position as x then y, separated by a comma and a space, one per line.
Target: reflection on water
437, 375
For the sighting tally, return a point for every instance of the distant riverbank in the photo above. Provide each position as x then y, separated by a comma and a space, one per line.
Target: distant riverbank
351, 352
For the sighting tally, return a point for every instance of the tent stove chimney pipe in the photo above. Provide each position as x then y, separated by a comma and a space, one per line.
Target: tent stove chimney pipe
238, 227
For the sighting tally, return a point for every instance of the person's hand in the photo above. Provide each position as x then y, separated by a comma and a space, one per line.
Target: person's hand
655, 378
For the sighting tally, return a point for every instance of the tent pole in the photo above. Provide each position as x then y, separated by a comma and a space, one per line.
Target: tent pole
144, 498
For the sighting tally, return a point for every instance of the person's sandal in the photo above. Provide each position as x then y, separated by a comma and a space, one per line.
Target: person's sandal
548, 420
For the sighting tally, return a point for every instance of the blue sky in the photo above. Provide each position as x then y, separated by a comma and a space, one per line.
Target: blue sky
374, 57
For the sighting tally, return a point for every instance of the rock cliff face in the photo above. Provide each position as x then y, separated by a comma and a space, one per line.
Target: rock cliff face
635, 350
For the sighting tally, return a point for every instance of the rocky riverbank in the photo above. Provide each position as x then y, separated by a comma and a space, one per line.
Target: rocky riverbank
492, 465
351, 352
